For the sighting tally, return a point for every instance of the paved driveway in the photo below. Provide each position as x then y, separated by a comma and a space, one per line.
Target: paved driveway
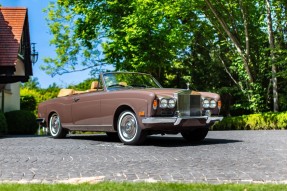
225, 156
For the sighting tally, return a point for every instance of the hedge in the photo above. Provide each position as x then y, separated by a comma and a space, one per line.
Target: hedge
3, 124
21, 122
261, 121
28, 102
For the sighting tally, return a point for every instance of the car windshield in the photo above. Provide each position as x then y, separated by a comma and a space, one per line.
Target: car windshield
114, 81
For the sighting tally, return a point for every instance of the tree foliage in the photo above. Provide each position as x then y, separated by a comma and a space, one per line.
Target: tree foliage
32, 94
215, 45
28, 102
85, 85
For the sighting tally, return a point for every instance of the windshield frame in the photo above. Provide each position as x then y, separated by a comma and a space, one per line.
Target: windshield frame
114, 88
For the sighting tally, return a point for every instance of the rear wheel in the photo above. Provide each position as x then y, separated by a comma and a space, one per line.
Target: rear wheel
196, 135
129, 131
55, 127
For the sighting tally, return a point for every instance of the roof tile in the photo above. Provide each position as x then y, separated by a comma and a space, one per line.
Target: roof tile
11, 29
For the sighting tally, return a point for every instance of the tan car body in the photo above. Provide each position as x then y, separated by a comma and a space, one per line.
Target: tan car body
99, 109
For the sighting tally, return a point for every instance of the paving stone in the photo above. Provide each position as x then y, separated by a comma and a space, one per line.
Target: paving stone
224, 157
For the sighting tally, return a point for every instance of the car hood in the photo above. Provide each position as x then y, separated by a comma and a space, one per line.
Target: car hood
169, 92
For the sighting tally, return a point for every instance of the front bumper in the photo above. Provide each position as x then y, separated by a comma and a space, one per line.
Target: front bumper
40, 120
177, 120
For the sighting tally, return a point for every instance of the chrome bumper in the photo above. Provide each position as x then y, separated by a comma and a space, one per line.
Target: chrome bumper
40, 120
177, 120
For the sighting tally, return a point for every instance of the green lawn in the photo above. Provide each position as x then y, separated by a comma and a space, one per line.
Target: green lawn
106, 186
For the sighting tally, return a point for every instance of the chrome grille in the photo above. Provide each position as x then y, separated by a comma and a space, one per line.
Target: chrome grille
187, 104
195, 105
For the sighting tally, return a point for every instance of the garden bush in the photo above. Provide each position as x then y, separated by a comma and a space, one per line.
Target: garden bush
21, 122
3, 124
28, 102
264, 121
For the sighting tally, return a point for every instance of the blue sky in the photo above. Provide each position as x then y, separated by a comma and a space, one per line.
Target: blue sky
39, 34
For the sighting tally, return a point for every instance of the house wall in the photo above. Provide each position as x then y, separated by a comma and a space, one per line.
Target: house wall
11, 97
20, 68
12, 91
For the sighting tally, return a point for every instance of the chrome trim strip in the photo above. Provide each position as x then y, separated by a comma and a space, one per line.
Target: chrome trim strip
177, 120
213, 119
151, 120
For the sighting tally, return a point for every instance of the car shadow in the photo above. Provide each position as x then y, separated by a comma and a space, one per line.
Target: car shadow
181, 142
158, 141
93, 137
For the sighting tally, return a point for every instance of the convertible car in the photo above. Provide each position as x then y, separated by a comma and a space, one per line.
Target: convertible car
130, 106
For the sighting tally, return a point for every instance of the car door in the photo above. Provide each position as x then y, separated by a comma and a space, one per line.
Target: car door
86, 109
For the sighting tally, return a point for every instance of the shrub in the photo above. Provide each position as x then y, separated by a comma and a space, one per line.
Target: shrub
28, 102
21, 122
3, 124
39, 95
253, 122
282, 120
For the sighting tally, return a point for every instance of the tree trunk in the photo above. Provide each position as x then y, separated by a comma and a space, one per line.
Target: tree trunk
272, 56
233, 39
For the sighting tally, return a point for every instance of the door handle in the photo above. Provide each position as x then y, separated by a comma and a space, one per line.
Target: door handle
76, 99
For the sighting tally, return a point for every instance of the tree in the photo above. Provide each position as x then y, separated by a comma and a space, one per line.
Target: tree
272, 56
245, 54
33, 83
76, 49
85, 85
176, 41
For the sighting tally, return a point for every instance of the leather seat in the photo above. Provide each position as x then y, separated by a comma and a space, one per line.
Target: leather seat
95, 86
66, 92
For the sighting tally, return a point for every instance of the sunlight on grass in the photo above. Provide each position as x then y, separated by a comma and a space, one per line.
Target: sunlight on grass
109, 186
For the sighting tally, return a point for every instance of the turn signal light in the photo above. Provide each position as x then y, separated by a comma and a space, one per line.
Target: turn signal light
154, 104
141, 113
219, 104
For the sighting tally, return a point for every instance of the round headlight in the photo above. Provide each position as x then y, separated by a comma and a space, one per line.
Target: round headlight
163, 103
171, 103
212, 103
205, 103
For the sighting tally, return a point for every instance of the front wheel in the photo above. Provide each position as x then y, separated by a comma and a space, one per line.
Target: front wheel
55, 127
129, 131
196, 135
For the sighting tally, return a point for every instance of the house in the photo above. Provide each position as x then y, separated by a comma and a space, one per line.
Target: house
15, 55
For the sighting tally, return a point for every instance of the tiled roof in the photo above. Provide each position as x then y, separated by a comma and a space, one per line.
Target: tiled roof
11, 29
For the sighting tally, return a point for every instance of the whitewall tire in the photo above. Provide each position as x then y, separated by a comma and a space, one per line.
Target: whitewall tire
129, 130
55, 127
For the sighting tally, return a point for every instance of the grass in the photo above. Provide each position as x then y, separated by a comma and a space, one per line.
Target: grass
110, 186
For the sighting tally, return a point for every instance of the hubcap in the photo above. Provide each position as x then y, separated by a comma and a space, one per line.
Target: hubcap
55, 124
128, 126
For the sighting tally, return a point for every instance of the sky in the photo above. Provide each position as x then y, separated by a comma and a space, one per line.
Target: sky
39, 34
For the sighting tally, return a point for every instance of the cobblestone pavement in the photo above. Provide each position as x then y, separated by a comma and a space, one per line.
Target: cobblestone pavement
225, 156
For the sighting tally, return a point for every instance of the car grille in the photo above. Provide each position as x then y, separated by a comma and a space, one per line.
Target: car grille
187, 104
